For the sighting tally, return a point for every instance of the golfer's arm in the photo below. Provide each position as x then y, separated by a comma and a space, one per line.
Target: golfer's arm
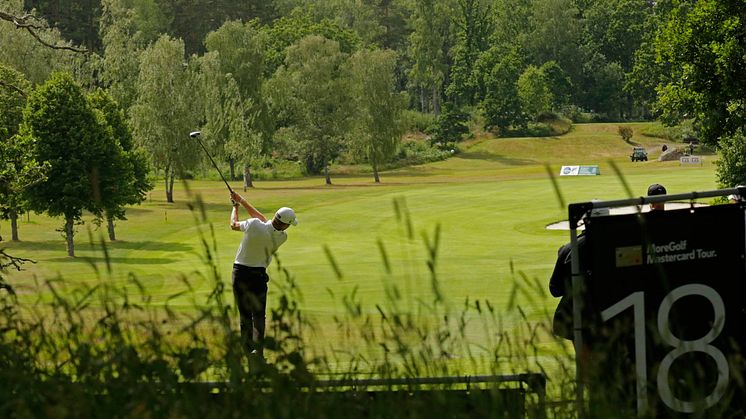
253, 211
235, 225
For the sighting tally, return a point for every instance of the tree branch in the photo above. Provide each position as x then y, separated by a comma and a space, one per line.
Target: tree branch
13, 87
27, 22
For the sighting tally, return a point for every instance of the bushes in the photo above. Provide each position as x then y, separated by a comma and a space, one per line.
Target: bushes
731, 167
625, 133
549, 124
414, 121
420, 152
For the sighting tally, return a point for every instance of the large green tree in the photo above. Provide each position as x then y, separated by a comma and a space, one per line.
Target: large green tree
309, 95
534, 91
237, 114
166, 110
376, 126
501, 105
703, 43
474, 25
427, 45
124, 181
229, 129
18, 168
289, 30
126, 28
66, 133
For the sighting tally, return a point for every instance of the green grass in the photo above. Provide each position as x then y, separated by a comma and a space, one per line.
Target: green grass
491, 203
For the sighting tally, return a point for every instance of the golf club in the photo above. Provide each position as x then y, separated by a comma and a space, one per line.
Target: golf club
196, 135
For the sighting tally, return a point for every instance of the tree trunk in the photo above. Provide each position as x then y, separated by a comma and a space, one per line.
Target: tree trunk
436, 101
69, 222
14, 225
423, 106
375, 173
110, 228
248, 182
170, 186
326, 175
232, 164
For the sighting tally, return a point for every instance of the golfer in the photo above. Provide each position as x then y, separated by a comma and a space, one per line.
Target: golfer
261, 239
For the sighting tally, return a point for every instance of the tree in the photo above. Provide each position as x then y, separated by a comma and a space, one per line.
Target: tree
703, 44
126, 29
426, 49
238, 116
560, 85
17, 173
602, 86
625, 133
289, 30
556, 34
124, 181
166, 110
377, 127
617, 27
229, 127
534, 91
501, 106
309, 96
65, 133
30, 46
450, 127
18, 168
34, 26
731, 166
473, 28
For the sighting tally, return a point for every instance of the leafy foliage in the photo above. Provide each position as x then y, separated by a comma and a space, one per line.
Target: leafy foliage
501, 105
704, 45
66, 133
309, 96
377, 127
731, 166
534, 91
289, 30
124, 181
166, 109
625, 133
450, 127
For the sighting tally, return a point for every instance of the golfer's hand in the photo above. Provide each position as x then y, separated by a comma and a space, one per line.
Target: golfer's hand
236, 198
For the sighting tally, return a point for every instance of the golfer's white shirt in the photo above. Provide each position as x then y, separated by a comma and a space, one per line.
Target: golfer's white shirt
260, 241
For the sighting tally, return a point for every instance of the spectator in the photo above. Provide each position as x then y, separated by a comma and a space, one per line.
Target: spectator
657, 189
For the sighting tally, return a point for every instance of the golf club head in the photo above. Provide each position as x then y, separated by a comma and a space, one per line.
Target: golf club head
195, 134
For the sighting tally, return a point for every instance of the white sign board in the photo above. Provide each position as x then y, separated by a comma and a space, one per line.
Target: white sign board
580, 171
690, 160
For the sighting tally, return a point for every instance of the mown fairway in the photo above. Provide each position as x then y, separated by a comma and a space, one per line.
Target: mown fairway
492, 204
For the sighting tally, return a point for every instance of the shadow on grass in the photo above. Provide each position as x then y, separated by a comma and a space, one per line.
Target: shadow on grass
115, 260
483, 155
144, 245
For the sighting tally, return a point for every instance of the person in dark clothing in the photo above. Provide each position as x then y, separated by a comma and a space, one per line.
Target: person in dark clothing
657, 189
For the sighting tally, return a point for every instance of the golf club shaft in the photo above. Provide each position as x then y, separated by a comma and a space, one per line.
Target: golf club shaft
216, 166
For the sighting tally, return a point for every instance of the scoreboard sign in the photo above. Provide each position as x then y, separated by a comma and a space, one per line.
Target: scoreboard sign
666, 310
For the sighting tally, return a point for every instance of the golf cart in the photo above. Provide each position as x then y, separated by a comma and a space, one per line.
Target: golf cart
639, 154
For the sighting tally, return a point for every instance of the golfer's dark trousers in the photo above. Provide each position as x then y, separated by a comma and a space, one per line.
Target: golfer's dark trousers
250, 290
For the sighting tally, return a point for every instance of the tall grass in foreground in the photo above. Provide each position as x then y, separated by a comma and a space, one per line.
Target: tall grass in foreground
107, 351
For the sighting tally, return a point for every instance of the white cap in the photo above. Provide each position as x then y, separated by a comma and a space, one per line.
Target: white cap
286, 215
